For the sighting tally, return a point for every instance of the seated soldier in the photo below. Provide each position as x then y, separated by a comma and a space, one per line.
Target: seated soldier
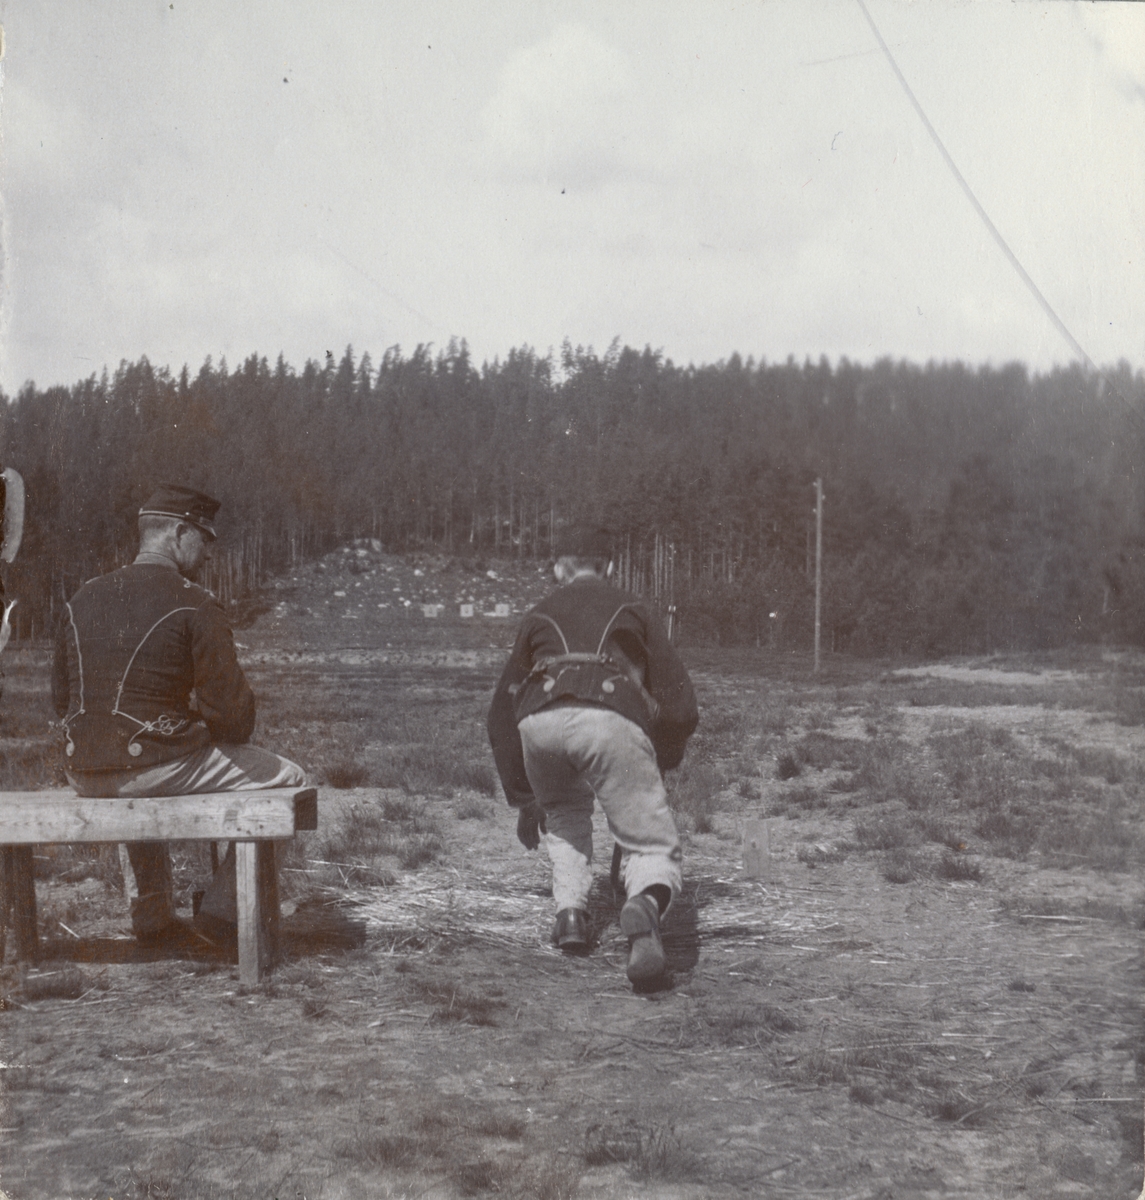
593, 704
154, 702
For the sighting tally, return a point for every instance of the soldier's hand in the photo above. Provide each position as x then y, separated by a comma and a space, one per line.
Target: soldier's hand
530, 825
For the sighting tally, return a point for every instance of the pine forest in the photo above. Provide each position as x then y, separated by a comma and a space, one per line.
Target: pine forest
967, 510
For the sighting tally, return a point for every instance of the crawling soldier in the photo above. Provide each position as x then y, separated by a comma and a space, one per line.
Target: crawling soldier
594, 703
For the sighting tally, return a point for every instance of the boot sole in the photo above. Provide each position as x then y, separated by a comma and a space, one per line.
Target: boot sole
646, 958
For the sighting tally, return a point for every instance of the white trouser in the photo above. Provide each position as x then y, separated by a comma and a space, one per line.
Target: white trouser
578, 754
212, 769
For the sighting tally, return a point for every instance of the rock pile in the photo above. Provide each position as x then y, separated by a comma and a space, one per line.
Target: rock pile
391, 596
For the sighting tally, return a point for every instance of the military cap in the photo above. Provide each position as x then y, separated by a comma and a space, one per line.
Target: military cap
171, 500
584, 541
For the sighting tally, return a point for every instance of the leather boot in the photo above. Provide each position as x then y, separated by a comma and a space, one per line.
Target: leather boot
640, 923
570, 933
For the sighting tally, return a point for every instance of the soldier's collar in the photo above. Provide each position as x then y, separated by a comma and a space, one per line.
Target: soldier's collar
153, 558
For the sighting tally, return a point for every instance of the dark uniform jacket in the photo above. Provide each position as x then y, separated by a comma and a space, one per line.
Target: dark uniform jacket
589, 643
134, 646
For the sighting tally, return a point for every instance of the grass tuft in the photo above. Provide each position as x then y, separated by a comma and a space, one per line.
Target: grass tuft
347, 775
884, 833
472, 810
959, 867
499, 1125
370, 836
889, 769
479, 1177
959, 1109
819, 1066
821, 751
863, 1093
427, 768
803, 798
821, 854
314, 1008
937, 828
457, 1004
380, 1149
650, 1151
901, 866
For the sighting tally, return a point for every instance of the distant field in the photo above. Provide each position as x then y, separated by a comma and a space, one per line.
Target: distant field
936, 991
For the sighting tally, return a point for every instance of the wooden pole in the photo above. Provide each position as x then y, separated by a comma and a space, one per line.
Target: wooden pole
818, 563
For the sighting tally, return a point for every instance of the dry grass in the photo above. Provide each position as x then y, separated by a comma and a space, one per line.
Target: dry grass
370, 836
453, 1002
905, 1072
885, 831
474, 1146
652, 1152
821, 854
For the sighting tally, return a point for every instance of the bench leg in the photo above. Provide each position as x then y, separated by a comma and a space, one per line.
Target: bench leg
256, 894
22, 898
246, 896
268, 907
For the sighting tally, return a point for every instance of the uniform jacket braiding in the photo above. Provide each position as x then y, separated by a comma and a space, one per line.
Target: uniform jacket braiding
145, 671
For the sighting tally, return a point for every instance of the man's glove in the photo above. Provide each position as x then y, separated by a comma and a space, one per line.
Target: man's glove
530, 825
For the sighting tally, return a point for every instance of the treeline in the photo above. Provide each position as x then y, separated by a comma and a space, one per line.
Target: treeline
967, 510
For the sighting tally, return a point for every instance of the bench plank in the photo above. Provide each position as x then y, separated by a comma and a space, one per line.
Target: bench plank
28, 818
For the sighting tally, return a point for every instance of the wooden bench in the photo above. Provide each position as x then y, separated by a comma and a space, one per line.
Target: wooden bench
253, 820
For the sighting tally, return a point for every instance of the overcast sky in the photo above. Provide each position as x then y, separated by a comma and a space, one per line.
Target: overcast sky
206, 177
